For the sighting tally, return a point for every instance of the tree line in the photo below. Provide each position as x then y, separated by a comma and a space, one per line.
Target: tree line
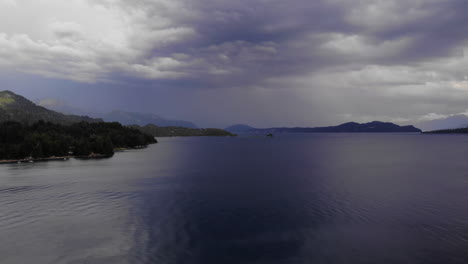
45, 139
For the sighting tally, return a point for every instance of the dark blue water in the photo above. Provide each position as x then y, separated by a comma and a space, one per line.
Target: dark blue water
318, 198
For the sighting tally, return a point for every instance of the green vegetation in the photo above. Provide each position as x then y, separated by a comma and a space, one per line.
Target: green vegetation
45, 139
172, 131
6, 100
14, 107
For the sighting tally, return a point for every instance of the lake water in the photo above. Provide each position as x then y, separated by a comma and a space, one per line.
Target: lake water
317, 198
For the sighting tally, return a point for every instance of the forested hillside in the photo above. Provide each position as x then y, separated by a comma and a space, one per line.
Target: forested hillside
45, 139
16, 108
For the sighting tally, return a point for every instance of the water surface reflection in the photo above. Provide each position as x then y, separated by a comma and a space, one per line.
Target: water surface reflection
322, 198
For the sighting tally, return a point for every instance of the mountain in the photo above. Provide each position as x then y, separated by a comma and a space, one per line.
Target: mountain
451, 122
142, 119
14, 107
63, 107
449, 131
125, 118
157, 131
351, 127
239, 128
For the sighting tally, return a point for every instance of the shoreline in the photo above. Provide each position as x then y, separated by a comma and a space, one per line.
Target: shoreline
66, 158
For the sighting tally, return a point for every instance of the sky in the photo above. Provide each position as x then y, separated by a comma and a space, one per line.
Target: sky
259, 62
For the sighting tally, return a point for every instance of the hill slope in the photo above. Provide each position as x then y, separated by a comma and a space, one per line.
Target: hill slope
14, 107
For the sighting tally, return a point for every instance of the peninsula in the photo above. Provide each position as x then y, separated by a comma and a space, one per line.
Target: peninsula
34, 133
46, 140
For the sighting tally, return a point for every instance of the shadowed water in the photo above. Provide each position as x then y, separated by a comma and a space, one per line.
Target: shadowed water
317, 198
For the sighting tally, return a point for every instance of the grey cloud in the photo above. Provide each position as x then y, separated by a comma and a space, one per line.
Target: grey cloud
393, 58
204, 39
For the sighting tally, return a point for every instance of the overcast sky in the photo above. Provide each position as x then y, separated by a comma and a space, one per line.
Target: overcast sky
260, 62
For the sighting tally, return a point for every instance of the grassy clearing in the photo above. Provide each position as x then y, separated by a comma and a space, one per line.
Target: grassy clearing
4, 101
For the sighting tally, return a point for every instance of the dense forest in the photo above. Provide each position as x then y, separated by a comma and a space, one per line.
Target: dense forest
45, 139
172, 131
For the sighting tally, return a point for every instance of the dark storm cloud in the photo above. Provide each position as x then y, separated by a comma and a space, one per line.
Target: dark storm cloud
335, 58
256, 40
245, 42
437, 29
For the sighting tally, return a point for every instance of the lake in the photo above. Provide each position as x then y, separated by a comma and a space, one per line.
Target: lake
294, 198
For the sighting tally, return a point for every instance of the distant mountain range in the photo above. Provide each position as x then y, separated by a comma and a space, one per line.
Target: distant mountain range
449, 131
62, 107
451, 122
143, 119
125, 118
240, 128
171, 131
351, 127
14, 107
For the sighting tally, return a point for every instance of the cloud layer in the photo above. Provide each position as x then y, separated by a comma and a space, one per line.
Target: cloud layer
360, 60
